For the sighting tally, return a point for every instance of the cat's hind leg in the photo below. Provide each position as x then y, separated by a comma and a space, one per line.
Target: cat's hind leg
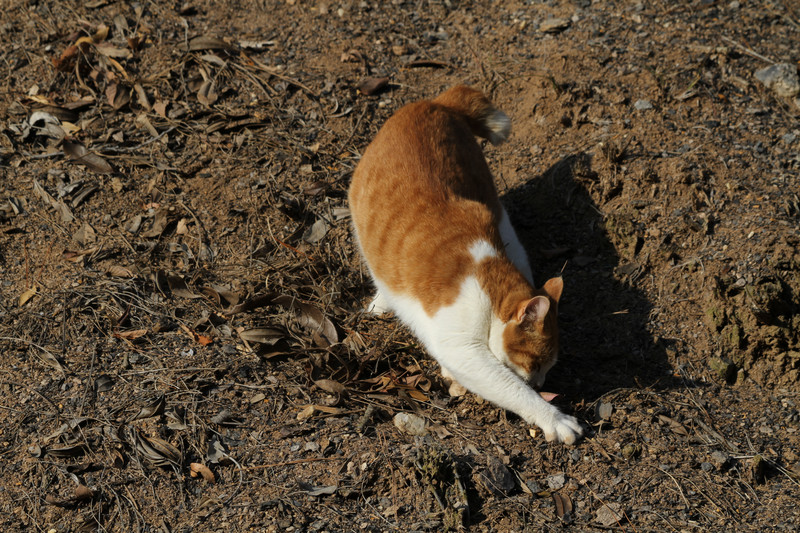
378, 305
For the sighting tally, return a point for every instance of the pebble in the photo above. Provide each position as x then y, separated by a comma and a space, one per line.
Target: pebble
554, 25
609, 514
501, 480
718, 459
556, 481
643, 105
410, 423
781, 78
534, 487
789, 138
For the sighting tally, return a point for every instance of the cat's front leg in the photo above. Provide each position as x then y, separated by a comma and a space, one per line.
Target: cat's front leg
475, 367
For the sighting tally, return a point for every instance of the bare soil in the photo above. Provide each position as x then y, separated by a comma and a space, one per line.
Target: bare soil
182, 346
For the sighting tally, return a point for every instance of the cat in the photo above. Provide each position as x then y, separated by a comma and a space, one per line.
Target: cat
445, 259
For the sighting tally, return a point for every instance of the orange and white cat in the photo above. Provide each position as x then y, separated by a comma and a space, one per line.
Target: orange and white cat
445, 259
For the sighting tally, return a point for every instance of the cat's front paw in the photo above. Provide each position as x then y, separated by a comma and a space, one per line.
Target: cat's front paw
563, 428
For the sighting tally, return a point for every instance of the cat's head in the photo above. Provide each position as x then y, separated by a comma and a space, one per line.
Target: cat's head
530, 338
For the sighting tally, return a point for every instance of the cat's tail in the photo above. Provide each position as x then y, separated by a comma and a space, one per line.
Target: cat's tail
483, 118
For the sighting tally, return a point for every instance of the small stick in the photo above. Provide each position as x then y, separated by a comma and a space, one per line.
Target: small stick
748, 51
287, 463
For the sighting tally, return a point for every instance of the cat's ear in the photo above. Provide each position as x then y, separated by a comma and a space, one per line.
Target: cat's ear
534, 309
553, 288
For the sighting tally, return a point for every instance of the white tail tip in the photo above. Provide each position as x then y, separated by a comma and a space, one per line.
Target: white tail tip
499, 126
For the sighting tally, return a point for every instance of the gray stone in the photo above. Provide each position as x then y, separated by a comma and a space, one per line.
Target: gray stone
500, 479
643, 105
609, 514
556, 481
410, 423
719, 459
781, 78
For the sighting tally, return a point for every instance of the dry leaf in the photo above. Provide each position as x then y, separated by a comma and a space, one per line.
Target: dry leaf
352, 56
159, 451
311, 317
82, 493
261, 300
207, 93
107, 49
160, 107
205, 42
118, 271
371, 86
419, 396
101, 34
316, 232
182, 228
78, 153
204, 340
85, 235
202, 470
329, 385
131, 334
118, 95
221, 296
27, 295
563, 504
307, 412
179, 288
268, 335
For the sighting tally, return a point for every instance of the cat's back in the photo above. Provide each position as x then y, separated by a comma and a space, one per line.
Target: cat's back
422, 195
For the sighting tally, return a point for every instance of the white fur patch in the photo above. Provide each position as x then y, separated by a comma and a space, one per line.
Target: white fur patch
481, 249
463, 338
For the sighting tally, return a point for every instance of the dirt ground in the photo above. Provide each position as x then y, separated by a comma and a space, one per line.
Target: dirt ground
182, 346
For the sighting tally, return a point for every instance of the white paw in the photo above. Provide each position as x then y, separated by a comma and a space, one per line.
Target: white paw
563, 428
378, 305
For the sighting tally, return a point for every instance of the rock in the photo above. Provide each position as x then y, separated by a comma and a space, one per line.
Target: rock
789, 138
642, 105
554, 25
556, 481
781, 78
535, 488
609, 514
499, 479
756, 469
631, 450
410, 423
719, 459
706, 467
724, 368
604, 410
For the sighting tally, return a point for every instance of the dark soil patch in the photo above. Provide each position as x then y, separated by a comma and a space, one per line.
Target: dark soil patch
181, 342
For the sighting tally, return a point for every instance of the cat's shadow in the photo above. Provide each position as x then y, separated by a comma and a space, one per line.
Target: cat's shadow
605, 342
